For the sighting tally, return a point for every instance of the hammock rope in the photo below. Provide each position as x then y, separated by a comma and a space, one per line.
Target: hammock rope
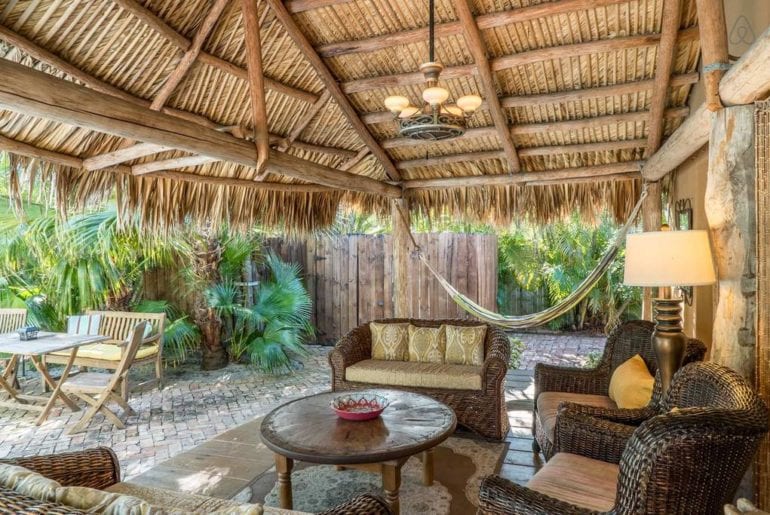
551, 313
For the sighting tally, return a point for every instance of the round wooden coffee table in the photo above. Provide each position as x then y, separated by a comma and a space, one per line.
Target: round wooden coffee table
308, 430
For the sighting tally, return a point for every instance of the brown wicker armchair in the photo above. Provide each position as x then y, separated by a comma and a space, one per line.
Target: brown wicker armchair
99, 468
482, 411
690, 459
556, 385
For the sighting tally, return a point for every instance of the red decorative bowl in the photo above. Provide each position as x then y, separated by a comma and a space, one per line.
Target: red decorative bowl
359, 406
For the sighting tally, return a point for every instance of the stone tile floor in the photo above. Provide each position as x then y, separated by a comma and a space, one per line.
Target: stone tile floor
195, 407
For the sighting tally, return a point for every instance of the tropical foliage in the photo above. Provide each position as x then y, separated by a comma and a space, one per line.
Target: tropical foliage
180, 335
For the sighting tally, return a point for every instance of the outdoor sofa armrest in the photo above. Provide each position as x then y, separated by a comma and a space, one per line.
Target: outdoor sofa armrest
95, 468
550, 378
497, 356
366, 503
498, 496
631, 417
353, 347
596, 438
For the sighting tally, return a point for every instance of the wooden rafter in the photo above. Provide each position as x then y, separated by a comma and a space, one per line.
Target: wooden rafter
565, 174
519, 59
562, 97
306, 120
484, 22
38, 94
665, 65
546, 127
171, 164
478, 50
256, 82
122, 155
298, 6
353, 161
628, 176
190, 55
553, 150
714, 50
178, 40
331, 84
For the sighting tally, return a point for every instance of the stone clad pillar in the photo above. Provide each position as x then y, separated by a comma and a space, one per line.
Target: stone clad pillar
731, 213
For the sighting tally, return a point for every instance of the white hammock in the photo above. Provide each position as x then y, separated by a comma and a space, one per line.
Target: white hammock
547, 315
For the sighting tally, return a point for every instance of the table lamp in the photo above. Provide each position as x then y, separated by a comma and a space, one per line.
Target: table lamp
664, 259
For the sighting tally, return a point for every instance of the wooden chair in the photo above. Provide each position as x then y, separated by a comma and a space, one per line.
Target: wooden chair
107, 355
10, 320
99, 388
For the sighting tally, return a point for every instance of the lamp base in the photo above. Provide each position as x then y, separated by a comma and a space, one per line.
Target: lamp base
668, 340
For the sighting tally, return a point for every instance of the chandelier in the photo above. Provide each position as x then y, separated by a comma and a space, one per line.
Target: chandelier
436, 119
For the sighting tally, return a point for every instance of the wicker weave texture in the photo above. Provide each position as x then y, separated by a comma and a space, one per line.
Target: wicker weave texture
482, 412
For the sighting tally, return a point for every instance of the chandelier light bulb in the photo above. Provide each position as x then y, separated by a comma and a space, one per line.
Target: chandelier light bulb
469, 103
396, 104
409, 111
453, 110
435, 95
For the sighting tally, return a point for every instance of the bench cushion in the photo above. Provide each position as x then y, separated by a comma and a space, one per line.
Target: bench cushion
109, 352
548, 406
421, 375
578, 480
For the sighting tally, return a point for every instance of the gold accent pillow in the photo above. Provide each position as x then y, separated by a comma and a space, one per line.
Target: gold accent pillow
427, 344
390, 341
631, 384
465, 344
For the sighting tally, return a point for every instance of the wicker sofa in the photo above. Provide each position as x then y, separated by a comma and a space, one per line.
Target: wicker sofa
476, 394
687, 460
98, 469
555, 385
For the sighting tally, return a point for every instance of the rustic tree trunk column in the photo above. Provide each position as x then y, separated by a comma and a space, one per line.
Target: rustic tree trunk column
652, 210
731, 210
399, 212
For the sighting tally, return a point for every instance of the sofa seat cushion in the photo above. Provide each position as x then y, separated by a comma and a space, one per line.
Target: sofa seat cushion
548, 407
590, 484
109, 352
421, 375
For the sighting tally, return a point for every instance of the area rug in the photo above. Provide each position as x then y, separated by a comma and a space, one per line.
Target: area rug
459, 463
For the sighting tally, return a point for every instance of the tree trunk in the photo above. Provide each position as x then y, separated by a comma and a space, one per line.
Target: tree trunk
207, 255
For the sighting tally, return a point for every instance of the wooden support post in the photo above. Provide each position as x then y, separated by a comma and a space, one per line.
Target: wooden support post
256, 82
402, 245
731, 210
652, 212
713, 44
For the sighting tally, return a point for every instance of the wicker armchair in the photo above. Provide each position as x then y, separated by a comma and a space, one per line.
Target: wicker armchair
482, 411
690, 459
99, 468
590, 387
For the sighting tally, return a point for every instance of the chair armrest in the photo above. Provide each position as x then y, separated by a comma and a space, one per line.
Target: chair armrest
151, 339
596, 438
353, 347
95, 468
497, 357
499, 496
550, 378
366, 503
632, 417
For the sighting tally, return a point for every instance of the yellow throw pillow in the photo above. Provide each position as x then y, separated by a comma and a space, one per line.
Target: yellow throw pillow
426, 344
390, 341
631, 384
465, 344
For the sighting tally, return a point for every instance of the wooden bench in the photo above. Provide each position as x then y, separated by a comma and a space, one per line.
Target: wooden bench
107, 355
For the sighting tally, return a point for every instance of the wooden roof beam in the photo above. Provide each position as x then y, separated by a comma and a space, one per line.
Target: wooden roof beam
602, 146
747, 80
714, 48
663, 70
331, 84
38, 94
629, 176
519, 59
564, 174
306, 120
122, 155
478, 50
178, 40
172, 164
298, 6
256, 82
560, 97
540, 128
484, 22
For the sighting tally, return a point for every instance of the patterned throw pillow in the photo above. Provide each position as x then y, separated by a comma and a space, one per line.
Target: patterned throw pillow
465, 344
427, 344
390, 341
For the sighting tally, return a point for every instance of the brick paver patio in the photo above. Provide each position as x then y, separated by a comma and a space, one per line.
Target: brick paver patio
196, 406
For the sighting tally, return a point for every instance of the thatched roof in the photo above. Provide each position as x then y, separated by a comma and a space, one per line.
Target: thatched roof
576, 82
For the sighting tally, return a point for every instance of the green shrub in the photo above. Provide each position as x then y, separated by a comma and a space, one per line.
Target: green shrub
517, 349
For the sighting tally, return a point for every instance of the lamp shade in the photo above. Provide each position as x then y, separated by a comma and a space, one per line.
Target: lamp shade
669, 258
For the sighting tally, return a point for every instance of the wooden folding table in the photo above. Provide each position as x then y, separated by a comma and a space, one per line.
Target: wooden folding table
36, 349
